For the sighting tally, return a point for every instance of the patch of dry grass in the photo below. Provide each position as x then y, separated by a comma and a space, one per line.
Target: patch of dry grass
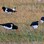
27, 12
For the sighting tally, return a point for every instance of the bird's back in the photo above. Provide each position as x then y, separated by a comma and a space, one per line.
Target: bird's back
6, 24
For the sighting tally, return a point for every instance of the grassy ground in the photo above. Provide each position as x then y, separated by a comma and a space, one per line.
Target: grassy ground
27, 12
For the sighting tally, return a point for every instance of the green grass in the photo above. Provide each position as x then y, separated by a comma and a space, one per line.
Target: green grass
26, 36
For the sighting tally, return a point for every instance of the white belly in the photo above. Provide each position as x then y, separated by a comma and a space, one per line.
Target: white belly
35, 27
7, 27
41, 21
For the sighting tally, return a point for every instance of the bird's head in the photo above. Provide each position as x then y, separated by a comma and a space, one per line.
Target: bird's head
14, 26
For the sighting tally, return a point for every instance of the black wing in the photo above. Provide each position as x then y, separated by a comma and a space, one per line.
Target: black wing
6, 24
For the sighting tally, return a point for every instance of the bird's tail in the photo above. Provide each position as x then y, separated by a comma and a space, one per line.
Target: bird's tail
14, 9
30, 25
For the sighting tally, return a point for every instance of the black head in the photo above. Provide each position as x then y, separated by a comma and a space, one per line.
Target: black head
15, 27
3, 8
42, 18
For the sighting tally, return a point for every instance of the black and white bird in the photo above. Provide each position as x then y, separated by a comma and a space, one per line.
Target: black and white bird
8, 10
42, 20
34, 24
9, 26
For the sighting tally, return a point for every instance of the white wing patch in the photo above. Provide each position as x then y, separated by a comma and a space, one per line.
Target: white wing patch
7, 27
6, 10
